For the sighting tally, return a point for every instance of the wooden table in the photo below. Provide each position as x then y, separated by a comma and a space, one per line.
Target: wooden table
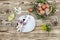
10, 33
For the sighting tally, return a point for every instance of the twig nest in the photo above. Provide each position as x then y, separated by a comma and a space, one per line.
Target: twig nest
44, 8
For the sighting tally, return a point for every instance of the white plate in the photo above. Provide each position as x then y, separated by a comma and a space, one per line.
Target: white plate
30, 23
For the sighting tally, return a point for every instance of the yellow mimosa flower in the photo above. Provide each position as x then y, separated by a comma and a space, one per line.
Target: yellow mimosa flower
43, 26
11, 17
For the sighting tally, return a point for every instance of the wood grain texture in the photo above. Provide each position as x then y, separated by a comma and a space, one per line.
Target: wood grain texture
10, 33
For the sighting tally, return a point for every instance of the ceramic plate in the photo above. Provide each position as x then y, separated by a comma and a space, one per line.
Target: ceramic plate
29, 26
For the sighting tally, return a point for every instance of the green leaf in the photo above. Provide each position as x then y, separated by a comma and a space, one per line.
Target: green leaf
48, 28
41, 1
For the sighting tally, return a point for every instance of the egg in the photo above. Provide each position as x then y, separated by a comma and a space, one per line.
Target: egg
43, 6
30, 10
42, 12
39, 8
47, 5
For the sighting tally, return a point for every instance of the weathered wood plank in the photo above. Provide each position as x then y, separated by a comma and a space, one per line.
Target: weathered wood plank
36, 34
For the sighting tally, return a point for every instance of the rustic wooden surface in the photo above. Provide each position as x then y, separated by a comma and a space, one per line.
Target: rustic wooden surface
10, 33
